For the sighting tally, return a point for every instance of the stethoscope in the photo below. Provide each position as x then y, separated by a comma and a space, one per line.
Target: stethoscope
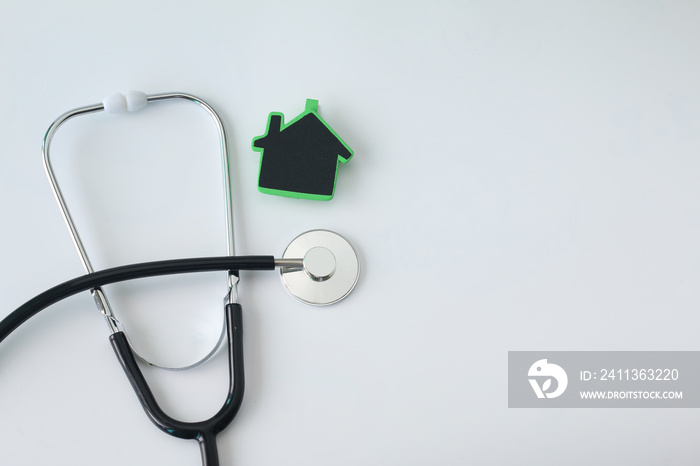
318, 267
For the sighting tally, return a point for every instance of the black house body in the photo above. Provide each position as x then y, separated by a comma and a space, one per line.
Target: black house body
300, 159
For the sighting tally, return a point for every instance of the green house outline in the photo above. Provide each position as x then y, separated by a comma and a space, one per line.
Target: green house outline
311, 107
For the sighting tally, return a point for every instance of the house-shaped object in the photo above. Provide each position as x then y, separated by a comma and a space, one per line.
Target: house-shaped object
301, 158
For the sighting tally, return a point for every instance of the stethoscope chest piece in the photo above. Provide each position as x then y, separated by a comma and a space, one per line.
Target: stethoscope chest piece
330, 268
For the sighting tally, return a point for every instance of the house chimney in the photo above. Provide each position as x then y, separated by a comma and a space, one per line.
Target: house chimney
273, 127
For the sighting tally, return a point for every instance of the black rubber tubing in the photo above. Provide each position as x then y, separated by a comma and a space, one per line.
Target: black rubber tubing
204, 432
128, 272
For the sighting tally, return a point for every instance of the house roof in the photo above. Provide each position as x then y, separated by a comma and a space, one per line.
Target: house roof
307, 129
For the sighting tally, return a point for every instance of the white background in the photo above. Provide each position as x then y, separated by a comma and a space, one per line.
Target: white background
525, 178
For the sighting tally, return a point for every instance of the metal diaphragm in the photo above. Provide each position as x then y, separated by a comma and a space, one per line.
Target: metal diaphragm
330, 268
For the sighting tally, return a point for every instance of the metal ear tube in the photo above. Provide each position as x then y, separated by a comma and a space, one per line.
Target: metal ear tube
129, 102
